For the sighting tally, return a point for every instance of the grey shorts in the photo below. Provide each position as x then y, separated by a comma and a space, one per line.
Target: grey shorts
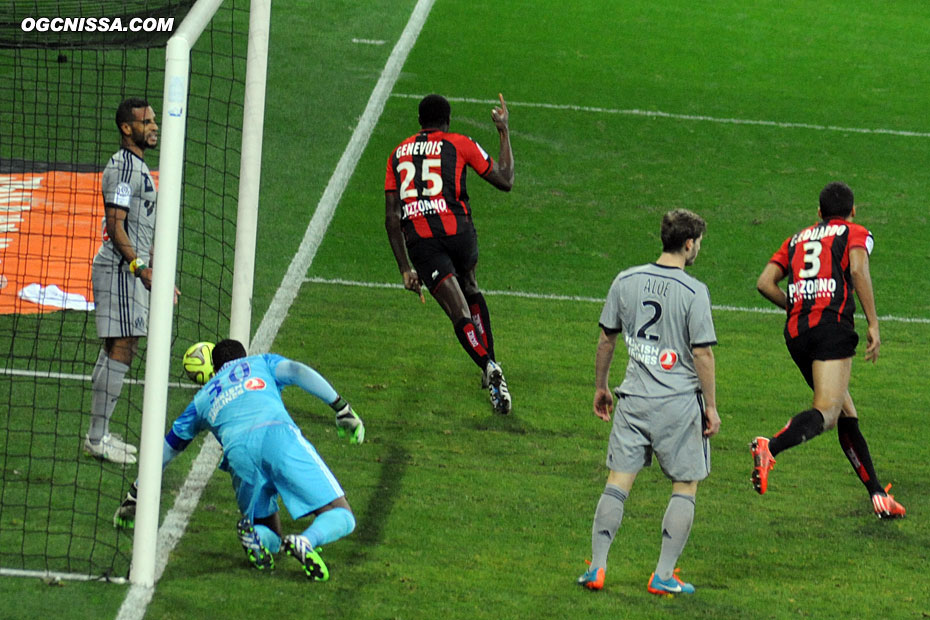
121, 303
671, 427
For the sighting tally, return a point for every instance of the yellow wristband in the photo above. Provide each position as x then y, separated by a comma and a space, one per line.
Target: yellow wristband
136, 267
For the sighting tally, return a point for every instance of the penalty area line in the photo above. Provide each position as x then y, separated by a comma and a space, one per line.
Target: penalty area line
682, 117
598, 300
68, 376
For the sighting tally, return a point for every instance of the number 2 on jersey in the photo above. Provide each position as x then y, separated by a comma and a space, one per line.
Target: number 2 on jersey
431, 179
657, 310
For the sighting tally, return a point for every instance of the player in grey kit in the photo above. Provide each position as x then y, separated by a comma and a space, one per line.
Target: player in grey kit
122, 273
667, 402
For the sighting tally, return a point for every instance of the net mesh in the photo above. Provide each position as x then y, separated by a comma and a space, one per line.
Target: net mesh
58, 97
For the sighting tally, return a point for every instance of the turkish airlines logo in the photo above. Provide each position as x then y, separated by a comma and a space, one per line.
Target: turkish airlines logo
668, 359
255, 384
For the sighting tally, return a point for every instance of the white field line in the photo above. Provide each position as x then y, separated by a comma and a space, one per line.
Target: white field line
172, 529
521, 294
56, 577
681, 117
597, 300
65, 376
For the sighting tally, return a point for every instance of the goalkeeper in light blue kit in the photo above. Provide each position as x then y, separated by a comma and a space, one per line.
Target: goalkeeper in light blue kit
266, 454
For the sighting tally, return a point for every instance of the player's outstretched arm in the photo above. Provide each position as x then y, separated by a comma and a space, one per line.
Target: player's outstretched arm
502, 173
348, 423
862, 282
767, 285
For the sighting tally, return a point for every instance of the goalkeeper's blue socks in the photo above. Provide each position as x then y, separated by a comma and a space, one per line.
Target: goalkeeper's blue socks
270, 540
329, 526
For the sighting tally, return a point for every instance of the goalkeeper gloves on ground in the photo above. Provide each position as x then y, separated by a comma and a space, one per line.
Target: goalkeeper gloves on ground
348, 423
125, 515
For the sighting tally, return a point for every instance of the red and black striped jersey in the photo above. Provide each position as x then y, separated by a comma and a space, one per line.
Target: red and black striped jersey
820, 289
428, 171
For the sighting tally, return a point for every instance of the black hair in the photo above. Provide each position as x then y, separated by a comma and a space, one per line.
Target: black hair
678, 226
225, 351
124, 111
434, 111
836, 200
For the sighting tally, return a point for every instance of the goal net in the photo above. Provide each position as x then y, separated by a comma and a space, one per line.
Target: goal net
61, 80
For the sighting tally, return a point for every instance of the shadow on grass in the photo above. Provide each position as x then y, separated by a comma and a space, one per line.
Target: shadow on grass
372, 520
378, 511
503, 423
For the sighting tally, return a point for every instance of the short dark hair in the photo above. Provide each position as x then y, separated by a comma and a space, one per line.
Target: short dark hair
434, 111
836, 200
225, 351
678, 226
124, 111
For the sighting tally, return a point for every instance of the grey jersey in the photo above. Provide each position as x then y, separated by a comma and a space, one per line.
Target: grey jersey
127, 184
663, 312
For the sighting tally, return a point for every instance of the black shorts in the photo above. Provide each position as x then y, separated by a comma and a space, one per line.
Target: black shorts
438, 258
824, 342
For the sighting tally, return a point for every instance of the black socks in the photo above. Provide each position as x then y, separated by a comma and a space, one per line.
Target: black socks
806, 425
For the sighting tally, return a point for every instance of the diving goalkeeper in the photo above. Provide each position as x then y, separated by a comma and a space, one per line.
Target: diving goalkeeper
266, 455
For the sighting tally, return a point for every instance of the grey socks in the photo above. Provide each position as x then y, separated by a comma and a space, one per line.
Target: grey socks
607, 520
107, 382
676, 526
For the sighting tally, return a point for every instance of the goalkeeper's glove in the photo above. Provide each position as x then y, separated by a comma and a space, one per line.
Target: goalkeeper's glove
125, 515
348, 423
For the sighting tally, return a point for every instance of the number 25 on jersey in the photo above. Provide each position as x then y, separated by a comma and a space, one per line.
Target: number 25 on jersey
430, 177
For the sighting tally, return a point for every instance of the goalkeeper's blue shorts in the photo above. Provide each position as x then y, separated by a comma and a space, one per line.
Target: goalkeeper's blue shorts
277, 460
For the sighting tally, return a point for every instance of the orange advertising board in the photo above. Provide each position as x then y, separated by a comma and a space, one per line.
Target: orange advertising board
50, 230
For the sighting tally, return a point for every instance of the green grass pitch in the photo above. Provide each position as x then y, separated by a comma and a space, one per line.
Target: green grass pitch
464, 514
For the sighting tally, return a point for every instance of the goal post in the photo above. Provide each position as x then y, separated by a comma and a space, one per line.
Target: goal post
240, 318
174, 116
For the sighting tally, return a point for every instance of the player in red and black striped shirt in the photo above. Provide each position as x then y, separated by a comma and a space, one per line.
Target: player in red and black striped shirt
824, 264
429, 224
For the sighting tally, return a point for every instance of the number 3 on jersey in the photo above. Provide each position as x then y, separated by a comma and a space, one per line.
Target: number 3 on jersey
432, 179
812, 250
